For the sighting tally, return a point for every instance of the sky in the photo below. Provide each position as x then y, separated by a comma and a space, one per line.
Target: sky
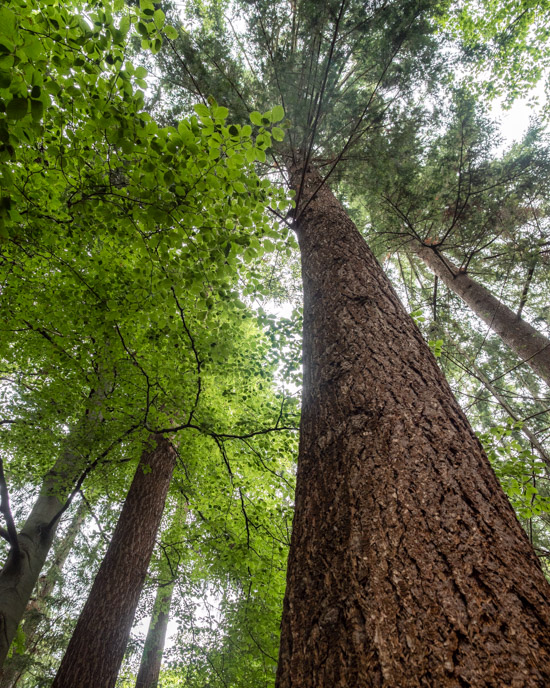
514, 121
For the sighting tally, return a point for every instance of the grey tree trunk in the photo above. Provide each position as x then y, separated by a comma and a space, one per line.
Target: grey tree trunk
407, 564
96, 649
22, 568
151, 659
37, 608
529, 344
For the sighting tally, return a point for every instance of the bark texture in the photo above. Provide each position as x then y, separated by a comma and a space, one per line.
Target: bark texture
529, 344
22, 568
407, 564
96, 649
151, 659
37, 607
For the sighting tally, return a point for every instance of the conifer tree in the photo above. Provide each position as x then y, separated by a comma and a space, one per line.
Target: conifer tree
407, 562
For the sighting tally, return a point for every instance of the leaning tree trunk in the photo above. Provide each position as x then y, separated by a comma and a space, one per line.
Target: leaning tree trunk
25, 561
407, 564
96, 649
529, 344
151, 659
16, 665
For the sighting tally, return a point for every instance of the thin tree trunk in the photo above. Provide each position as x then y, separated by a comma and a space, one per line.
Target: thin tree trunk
151, 659
153, 649
23, 565
407, 564
96, 649
36, 610
529, 344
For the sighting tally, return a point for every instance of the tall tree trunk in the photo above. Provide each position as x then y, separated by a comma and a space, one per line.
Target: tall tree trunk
407, 564
529, 344
23, 565
151, 659
36, 611
96, 649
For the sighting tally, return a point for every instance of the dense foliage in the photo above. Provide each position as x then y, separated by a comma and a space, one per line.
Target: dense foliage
145, 244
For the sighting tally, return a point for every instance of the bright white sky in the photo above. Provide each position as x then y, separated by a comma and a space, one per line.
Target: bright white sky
514, 122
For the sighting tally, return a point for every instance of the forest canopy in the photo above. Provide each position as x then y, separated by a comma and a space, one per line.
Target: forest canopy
249, 252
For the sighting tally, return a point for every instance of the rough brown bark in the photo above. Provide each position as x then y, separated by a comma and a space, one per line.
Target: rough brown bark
16, 665
151, 659
407, 564
96, 649
525, 341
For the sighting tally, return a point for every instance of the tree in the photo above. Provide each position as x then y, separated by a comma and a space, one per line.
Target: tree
93, 658
230, 556
508, 40
396, 508
149, 668
86, 182
398, 513
30, 547
530, 345
452, 203
383, 504
153, 648
38, 607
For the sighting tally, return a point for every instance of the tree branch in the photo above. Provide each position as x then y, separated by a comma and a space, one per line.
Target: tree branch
11, 534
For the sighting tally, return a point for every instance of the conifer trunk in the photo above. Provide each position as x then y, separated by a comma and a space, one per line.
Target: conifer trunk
407, 564
23, 565
529, 344
96, 649
36, 611
151, 659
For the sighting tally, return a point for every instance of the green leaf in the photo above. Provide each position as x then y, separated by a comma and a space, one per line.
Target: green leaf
8, 22
5, 79
37, 109
33, 48
171, 32
277, 133
277, 114
159, 18
17, 108
124, 26
6, 46
256, 118
141, 72
221, 113
201, 110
